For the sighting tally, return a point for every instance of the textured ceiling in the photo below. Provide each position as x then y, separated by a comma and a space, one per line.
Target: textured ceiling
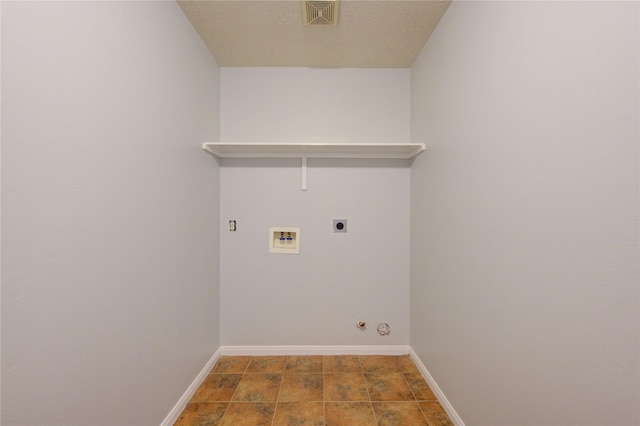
271, 33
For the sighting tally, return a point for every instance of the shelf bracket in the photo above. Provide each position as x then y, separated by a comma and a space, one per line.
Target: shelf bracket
304, 173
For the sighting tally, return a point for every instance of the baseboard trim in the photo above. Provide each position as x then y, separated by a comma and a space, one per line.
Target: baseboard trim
316, 350
191, 390
442, 399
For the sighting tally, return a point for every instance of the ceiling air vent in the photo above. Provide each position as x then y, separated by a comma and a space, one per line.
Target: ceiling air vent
320, 12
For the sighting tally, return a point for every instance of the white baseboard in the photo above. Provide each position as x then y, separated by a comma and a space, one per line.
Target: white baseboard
191, 390
315, 350
442, 399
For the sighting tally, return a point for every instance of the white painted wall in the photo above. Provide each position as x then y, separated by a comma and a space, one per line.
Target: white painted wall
109, 206
524, 272
315, 298
314, 105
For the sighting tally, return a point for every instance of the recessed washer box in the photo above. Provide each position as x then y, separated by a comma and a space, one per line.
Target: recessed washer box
284, 240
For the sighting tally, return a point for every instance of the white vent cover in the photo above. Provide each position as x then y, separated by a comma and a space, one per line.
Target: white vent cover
320, 12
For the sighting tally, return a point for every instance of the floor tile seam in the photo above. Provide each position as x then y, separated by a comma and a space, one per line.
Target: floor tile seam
424, 415
324, 404
225, 374
279, 401
410, 387
421, 412
301, 400
363, 378
275, 409
381, 372
375, 418
247, 366
234, 392
286, 363
366, 386
317, 400
363, 402
397, 400
286, 357
224, 413
406, 382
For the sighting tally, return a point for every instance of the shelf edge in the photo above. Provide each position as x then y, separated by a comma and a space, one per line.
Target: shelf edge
313, 150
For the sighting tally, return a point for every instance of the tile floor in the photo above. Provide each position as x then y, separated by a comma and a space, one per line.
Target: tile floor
347, 390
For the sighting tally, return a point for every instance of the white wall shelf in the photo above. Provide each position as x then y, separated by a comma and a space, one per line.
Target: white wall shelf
313, 150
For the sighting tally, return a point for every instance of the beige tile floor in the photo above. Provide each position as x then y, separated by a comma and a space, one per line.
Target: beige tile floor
347, 390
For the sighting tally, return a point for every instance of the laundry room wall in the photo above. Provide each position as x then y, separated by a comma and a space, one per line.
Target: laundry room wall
316, 297
524, 243
109, 260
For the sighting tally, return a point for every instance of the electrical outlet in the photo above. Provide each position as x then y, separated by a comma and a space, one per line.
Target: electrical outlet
339, 225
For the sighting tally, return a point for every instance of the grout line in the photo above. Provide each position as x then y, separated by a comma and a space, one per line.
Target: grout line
275, 409
324, 405
413, 393
375, 419
415, 399
234, 392
362, 400
409, 384
423, 414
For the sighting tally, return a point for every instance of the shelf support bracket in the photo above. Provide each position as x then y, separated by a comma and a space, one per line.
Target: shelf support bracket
304, 173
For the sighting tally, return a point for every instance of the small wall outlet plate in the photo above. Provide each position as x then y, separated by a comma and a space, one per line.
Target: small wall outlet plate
284, 240
339, 225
